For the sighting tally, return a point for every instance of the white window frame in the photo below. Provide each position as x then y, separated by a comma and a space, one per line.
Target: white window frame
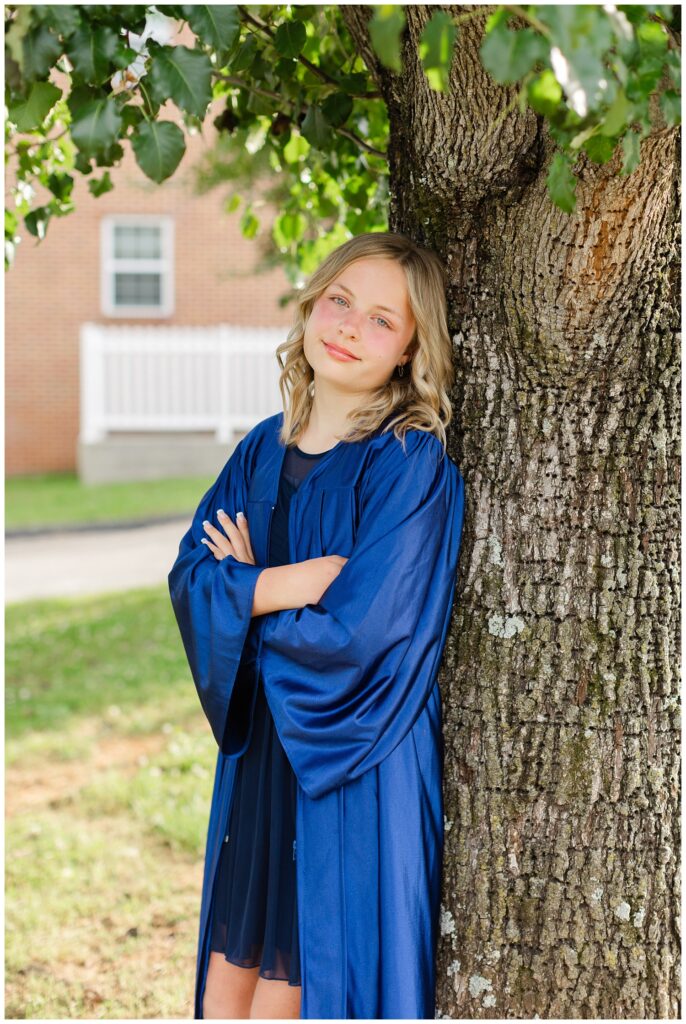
109, 264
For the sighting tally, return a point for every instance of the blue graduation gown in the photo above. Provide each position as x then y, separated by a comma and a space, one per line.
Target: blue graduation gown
352, 686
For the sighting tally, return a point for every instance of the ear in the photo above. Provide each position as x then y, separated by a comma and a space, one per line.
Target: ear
412, 348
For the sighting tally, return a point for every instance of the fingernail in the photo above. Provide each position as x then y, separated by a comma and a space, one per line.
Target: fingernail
240, 514
205, 522
203, 541
221, 512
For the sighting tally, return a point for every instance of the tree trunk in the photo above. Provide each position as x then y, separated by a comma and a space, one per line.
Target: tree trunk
560, 677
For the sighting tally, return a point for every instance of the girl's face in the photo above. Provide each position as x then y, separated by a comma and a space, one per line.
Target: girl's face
365, 310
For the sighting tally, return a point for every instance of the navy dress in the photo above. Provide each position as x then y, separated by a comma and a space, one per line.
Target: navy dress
254, 903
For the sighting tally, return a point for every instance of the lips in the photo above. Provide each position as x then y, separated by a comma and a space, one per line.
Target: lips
339, 348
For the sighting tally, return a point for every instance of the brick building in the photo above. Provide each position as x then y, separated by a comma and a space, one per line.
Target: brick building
142, 254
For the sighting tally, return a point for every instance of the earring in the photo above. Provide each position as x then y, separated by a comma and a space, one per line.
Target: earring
401, 370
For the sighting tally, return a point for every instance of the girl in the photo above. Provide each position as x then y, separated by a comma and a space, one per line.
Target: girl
313, 593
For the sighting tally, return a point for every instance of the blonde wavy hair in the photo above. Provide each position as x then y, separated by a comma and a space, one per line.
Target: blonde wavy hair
419, 399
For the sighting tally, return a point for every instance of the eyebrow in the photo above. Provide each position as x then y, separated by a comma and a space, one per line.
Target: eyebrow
339, 284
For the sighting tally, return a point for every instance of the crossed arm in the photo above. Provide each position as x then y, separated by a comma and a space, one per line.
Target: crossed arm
280, 586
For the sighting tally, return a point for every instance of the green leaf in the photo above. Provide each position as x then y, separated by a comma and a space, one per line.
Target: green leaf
304, 11
285, 69
92, 51
131, 115
315, 128
170, 10
182, 75
356, 195
133, 16
82, 163
289, 38
289, 228
259, 104
599, 148
217, 26
59, 208
37, 221
355, 83
110, 156
385, 31
652, 38
581, 137
245, 54
562, 183
647, 80
436, 45
673, 61
97, 126
123, 55
618, 115
337, 108
508, 55
158, 146
670, 105
631, 145
64, 19
232, 203
249, 224
30, 113
80, 96
40, 50
99, 187
544, 93
61, 185
295, 149
261, 69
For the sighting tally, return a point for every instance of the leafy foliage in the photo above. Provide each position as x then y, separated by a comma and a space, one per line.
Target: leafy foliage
591, 72
299, 107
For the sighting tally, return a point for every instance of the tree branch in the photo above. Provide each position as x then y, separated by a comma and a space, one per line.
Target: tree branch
346, 132
319, 72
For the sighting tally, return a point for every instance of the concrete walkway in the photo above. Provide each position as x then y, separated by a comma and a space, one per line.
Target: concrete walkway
90, 561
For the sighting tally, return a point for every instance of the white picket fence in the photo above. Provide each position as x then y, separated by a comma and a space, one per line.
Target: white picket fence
221, 378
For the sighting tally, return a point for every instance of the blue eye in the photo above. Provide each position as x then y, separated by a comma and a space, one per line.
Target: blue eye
385, 322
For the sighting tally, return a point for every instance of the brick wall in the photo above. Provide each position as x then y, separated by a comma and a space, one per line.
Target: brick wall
54, 286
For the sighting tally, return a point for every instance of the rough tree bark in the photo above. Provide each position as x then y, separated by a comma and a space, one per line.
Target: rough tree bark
560, 678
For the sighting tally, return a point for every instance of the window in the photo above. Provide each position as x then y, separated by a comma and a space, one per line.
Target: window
137, 266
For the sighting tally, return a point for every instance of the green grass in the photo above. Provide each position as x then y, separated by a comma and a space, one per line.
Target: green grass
109, 772
67, 658
51, 499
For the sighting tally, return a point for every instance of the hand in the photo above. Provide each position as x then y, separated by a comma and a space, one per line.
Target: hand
235, 542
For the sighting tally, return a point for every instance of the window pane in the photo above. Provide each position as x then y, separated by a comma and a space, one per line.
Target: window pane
136, 241
137, 289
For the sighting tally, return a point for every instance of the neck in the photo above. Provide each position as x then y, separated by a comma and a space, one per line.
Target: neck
329, 415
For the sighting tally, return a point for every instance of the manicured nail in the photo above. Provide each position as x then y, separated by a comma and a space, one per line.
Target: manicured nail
240, 514
203, 541
205, 522
221, 512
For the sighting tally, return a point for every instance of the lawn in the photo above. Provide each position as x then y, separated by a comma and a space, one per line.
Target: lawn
109, 769
50, 499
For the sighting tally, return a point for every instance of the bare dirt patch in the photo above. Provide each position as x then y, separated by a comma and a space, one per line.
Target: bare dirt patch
52, 782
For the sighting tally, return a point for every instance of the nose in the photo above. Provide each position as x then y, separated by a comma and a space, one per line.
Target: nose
348, 326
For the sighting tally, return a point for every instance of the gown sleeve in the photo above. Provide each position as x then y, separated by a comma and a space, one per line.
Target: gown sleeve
346, 678
212, 600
